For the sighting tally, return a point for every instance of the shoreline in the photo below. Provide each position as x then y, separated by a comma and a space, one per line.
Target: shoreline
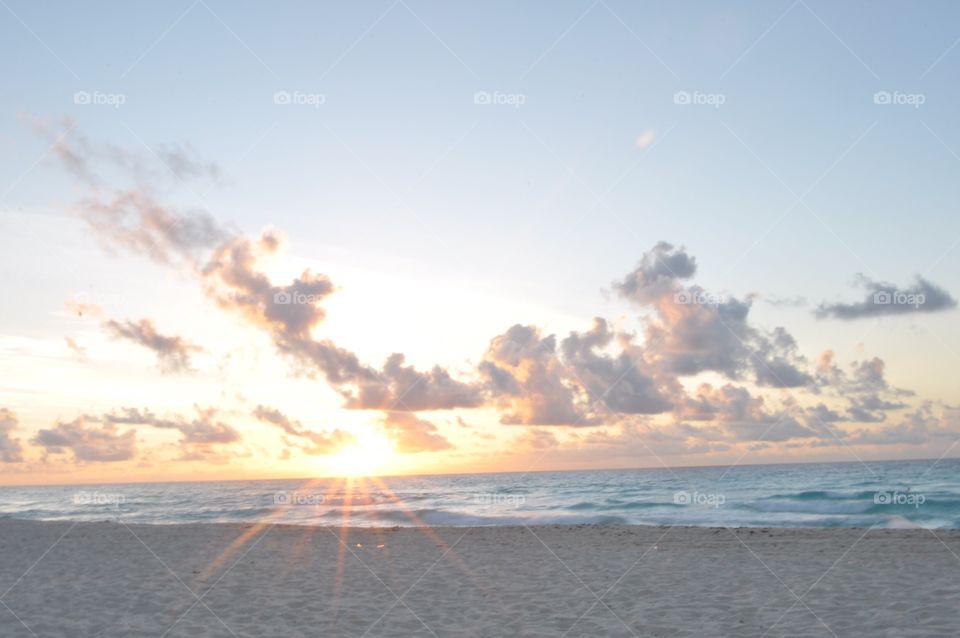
115, 579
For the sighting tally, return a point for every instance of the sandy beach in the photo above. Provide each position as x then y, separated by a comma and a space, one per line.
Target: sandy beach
111, 579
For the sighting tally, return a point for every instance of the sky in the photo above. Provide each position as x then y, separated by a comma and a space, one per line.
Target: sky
242, 240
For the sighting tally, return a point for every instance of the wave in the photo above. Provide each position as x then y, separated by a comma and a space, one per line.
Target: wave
768, 496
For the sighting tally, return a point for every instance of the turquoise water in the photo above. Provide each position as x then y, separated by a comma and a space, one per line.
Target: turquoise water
896, 494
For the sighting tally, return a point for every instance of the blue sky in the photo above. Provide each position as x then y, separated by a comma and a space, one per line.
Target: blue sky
793, 185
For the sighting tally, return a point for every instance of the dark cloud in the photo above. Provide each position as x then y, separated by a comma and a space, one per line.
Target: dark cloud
173, 353
288, 312
886, 299
823, 414
871, 408
10, 449
689, 338
656, 274
622, 382
412, 434
318, 442
865, 391
777, 362
88, 443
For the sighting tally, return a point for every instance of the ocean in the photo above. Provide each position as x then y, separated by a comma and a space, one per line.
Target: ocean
892, 494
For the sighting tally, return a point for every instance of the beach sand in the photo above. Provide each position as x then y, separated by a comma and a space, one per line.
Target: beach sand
110, 579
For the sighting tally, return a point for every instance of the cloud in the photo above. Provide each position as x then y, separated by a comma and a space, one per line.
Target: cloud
538, 439
692, 330
919, 427
886, 299
400, 387
184, 164
595, 377
173, 353
529, 383
865, 390
646, 138
689, 338
10, 449
202, 430
69, 146
88, 443
130, 218
412, 434
319, 442
777, 362
289, 313
741, 415
78, 156
621, 382
656, 273
133, 221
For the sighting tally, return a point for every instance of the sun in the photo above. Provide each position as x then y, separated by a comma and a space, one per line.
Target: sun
369, 456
